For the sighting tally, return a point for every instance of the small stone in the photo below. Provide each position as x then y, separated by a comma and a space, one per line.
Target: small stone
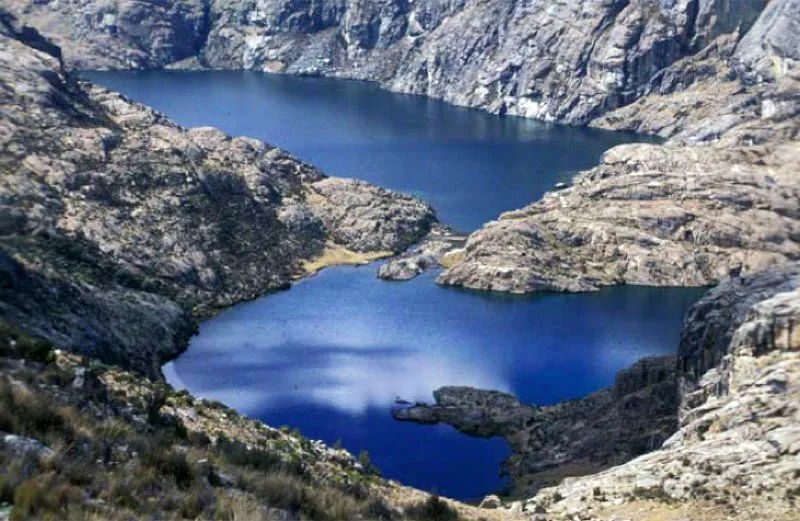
491, 501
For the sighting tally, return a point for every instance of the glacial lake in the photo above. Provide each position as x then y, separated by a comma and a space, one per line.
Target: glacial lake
331, 355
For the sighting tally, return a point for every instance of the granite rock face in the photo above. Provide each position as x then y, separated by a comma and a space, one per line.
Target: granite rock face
99, 34
719, 197
576, 437
119, 227
649, 215
567, 61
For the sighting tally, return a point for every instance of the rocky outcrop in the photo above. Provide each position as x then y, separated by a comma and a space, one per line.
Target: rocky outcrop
130, 34
575, 437
649, 215
107, 438
717, 429
118, 226
719, 197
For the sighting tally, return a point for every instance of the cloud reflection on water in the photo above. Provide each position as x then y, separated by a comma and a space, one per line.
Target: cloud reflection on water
252, 376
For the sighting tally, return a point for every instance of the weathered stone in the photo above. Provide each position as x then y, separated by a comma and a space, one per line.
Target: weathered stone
737, 441
718, 78
422, 257
20, 445
491, 501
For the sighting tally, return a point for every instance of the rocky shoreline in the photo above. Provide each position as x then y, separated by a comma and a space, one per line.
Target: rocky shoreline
576, 437
719, 80
720, 423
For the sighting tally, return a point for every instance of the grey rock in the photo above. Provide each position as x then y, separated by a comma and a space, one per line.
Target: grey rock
737, 445
491, 501
20, 445
718, 78
367, 218
524, 58
99, 34
771, 49
648, 215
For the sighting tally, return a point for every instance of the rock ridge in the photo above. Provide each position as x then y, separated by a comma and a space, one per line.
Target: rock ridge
574, 437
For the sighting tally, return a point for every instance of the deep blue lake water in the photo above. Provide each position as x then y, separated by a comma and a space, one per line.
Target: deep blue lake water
331, 355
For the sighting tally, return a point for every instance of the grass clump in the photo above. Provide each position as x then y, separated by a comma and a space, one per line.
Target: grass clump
432, 509
15, 343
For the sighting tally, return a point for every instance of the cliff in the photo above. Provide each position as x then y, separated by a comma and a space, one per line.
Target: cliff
119, 227
568, 61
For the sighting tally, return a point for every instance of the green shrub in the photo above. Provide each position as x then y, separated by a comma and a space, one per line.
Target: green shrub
7, 486
277, 489
366, 462
237, 453
169, 463
198, 439
15, 343
196, 502
432, 509
30, 414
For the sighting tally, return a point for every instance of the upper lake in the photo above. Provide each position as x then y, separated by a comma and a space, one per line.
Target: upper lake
331, 355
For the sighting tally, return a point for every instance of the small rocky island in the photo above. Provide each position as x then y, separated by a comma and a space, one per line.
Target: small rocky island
120, 231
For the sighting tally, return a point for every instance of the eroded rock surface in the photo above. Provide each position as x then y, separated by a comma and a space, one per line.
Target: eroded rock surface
118, 226
720, 79
727, 411
567, 61
649, 215
721, 196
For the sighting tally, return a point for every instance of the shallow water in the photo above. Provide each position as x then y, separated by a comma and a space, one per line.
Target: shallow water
331, 355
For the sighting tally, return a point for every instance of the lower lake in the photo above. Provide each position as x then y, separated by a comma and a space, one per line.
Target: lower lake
331, 355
